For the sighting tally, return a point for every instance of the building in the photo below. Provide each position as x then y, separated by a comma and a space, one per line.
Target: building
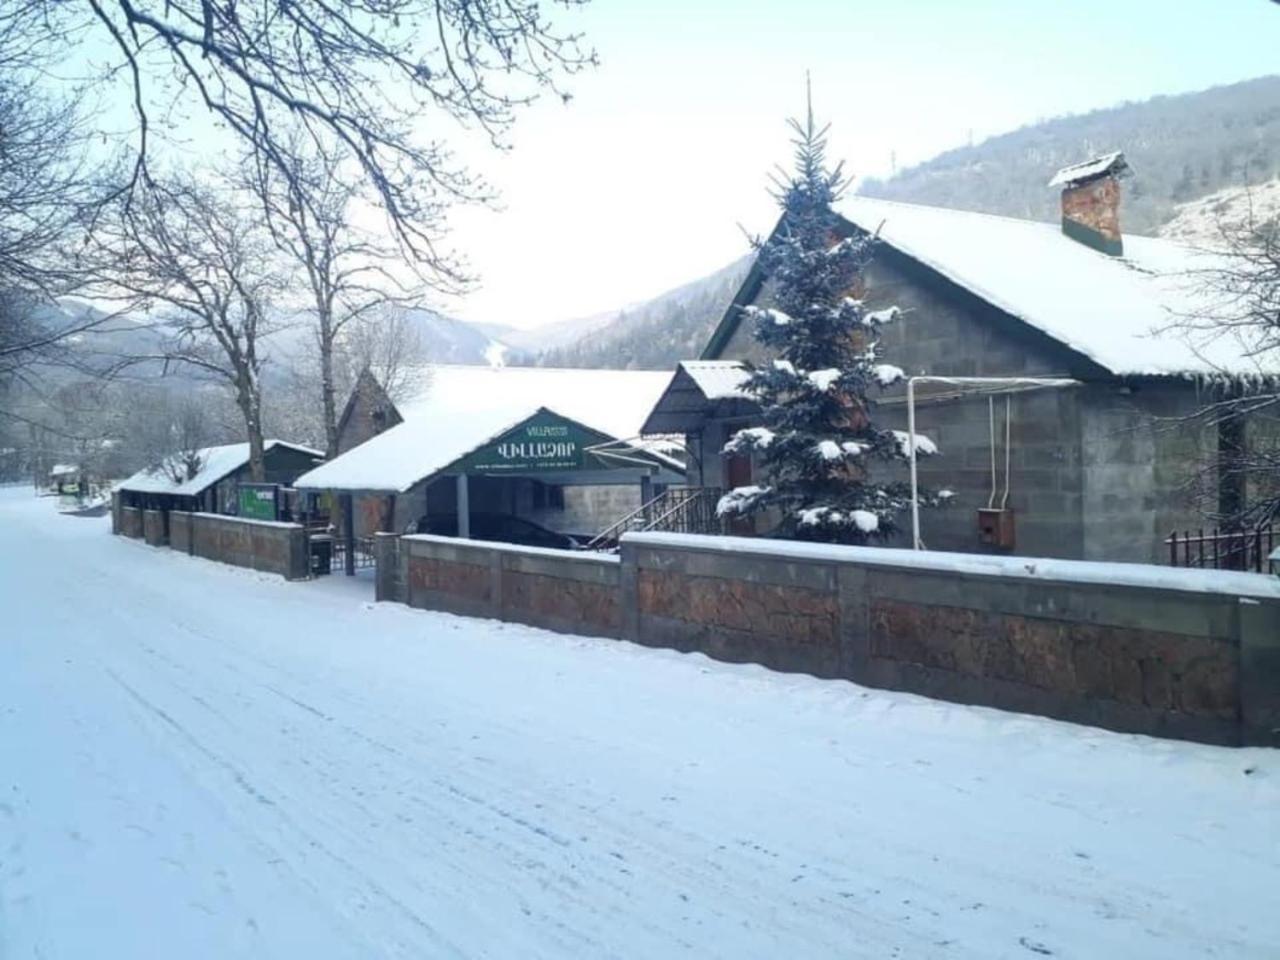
1096, 470
558, 448
64, 478
212, 479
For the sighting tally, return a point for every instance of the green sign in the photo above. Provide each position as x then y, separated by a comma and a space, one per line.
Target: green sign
258, 501
544, 442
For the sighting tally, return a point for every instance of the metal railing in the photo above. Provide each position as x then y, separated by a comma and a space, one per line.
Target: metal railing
1216, 550
675, 510
363, 553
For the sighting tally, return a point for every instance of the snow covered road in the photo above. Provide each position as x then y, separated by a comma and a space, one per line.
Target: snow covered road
202, 762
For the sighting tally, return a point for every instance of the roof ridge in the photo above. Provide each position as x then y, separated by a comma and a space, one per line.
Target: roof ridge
1049, 224
523, 368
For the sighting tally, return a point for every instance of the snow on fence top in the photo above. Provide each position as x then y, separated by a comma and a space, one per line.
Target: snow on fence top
587, 556
456, 409
216, 463
1111, 309
1031, 568
253, 521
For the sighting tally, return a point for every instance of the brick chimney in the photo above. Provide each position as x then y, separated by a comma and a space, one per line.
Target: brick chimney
1091, 201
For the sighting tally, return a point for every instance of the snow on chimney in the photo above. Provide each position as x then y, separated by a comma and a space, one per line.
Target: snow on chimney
1091, 201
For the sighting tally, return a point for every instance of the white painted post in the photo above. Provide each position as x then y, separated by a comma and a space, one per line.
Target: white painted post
464, 507
911, 453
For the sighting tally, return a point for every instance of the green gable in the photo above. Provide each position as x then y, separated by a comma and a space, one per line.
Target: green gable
544, 443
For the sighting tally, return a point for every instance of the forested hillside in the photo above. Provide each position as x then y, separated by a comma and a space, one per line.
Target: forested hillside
1180, 148
655, 334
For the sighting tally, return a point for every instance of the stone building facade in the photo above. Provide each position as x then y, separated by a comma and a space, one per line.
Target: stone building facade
1101, 469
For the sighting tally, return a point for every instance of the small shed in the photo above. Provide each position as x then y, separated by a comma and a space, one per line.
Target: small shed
64, 478
209, 479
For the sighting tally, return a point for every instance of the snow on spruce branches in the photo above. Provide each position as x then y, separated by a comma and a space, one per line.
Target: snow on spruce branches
819, 441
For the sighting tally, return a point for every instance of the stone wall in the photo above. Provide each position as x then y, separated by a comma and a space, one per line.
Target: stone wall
570, 592
943, 332
257, 544
1186, 654
180, 531
153, 528
131, 522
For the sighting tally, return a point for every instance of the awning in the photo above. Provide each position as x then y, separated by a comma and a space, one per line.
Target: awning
700, 390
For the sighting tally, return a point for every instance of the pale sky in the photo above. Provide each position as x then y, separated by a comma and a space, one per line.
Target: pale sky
641, 182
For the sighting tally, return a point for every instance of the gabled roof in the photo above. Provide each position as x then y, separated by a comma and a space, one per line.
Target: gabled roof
217, 463
1113, 312
700, 389
453, 410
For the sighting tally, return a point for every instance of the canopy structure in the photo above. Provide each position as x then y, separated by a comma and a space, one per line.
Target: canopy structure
960, 386
700, 390
504, 421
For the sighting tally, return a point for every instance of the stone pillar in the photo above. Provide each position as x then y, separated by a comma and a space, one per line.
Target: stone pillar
1259, 625
628, 599
386, 551
464, 507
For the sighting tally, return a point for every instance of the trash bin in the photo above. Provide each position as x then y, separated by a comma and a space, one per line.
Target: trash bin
321, 555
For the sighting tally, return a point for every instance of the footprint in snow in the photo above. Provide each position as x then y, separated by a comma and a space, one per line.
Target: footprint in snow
1035, 946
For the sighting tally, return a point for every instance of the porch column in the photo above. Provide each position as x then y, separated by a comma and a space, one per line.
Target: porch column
348, 533
464, 507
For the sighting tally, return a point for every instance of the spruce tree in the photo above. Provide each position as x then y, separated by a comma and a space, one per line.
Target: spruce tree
819, 440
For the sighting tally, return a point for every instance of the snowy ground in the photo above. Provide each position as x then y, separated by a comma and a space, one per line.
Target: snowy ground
198, 761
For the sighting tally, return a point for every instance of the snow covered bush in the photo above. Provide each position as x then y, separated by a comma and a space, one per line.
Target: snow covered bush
819, 440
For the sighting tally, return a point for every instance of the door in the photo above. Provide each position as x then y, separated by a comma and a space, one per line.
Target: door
737, 473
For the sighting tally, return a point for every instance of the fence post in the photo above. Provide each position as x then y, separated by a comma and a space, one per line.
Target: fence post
386, 553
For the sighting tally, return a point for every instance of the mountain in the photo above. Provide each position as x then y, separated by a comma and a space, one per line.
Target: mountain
447, 340
654, 334
1180, 147
1200, 223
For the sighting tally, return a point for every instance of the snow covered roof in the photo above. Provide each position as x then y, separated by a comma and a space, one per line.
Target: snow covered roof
699, 389
456, 409
1110, 309
216, 464
1088, 169
718, 379
63, 469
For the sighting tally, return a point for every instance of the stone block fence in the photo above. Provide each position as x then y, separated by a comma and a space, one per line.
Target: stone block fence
257, 544
1176, 653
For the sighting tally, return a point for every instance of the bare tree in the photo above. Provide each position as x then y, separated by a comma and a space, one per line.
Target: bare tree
1239, 486
389, 345
200, 257
347, 272
374, 80
44, 192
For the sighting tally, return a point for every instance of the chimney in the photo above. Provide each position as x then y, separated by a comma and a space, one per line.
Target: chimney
1091, 201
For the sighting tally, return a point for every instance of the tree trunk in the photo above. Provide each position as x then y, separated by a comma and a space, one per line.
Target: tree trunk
1231, 474
327, 395
249, 400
